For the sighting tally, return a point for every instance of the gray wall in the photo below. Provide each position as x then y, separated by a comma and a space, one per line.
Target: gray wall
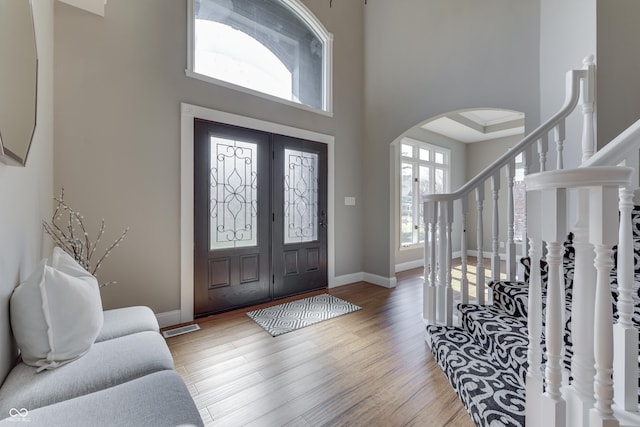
618, 60
25, 193
427, 57
119, 81
567, 36
479, 156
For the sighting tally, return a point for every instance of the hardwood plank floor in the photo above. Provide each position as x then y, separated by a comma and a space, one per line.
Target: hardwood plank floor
368, 368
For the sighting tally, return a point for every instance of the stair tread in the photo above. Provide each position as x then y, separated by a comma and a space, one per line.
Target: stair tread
493, 394
502, 336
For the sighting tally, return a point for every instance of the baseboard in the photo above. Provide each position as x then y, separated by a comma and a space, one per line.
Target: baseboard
404, 266
419, 263
346, 279
385, 282
169, 318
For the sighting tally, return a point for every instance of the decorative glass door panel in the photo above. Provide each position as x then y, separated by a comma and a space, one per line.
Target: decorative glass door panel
233, 194
300, 196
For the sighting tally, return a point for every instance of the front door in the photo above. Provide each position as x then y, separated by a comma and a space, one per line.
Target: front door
260, 217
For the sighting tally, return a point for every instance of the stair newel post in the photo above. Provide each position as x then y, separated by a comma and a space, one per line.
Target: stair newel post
480, 263
510, 245
624, 333
534, 382
587, 91
603, 203
553, 233
543, 148
429, 296
495, 249
448, 218
583, 306
559, 133
464, 281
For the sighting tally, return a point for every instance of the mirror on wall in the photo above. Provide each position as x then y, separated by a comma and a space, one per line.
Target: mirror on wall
18, 80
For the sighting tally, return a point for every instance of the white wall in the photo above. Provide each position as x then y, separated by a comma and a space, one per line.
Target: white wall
427, 57
119, 82
25, 193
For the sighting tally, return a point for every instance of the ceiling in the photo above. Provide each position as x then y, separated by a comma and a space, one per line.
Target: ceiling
478, 125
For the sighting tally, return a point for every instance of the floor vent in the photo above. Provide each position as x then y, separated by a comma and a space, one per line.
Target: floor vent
181, 330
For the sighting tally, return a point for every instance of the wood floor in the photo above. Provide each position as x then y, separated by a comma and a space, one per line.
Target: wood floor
368, 368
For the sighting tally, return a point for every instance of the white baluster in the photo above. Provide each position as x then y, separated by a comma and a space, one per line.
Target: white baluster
603, 235
441, 262
553, 232
526, 164
583, 306
430, 263
495, 252
448, 219
480, 264
543, 148
534, 382
587, 90
510, 246
625, 375
464, 281
559, 132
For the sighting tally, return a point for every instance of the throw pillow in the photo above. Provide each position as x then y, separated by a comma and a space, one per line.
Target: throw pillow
56, 314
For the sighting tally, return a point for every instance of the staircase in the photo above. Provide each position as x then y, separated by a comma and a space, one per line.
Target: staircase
556, 343
485, 359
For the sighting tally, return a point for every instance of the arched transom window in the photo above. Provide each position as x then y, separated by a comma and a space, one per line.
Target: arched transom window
275, 48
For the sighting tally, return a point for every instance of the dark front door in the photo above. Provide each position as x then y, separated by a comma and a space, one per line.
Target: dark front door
300, 220
260, 217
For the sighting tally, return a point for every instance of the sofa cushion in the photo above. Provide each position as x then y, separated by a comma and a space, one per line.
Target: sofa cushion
107, 364
126, 321
158, 399
56, 313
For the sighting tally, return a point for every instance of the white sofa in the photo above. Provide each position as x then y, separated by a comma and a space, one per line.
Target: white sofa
126, 379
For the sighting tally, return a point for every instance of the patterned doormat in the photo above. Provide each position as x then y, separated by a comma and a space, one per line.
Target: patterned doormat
283, 318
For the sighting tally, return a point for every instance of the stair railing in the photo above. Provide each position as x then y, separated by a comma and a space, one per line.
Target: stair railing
604, 365
598, 187
623, 151
438, 297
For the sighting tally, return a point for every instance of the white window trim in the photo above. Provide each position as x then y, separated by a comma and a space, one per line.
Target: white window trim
447, 167
305, 14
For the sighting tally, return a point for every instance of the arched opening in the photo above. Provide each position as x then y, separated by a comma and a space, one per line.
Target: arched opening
473, 138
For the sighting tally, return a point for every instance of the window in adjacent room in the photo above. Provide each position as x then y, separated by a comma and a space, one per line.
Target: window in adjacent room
276, 49
424, 169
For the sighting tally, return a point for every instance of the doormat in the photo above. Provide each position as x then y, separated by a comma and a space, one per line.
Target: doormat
283, 318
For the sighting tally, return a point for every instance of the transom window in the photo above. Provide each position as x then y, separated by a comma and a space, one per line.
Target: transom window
275, 48
424, 169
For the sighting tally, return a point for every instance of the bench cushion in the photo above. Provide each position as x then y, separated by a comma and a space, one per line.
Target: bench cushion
126, 321
107, 364
155, 400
